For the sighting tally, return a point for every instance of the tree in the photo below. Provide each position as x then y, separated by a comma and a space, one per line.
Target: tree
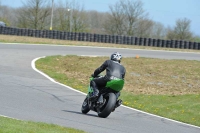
158, 31
124, 16
181, 30
5, 14
34, 14
95, 21
71, 17
143, 28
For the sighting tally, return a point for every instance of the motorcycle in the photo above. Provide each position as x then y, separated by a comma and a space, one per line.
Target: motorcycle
107, 101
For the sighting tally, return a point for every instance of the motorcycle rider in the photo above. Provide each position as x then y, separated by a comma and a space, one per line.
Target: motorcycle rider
113, 70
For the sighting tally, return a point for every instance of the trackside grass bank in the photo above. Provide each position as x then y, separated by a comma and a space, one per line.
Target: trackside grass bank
8, 125
168, 88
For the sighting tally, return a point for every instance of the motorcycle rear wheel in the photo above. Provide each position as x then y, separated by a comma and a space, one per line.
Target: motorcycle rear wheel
109, 105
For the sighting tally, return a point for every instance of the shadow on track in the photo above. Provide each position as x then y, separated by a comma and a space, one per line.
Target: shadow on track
75, 112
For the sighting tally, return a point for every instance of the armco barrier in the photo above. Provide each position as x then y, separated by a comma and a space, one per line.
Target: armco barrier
116, 39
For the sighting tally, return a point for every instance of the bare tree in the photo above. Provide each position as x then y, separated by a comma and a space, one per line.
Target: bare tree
158, 31
5, 14
95, 21
123, 17
170, 34
181, 31
143, 28
71, 17
34, 14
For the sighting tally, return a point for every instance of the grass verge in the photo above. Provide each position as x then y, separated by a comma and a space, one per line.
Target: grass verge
33, 40
8, 125
169, 88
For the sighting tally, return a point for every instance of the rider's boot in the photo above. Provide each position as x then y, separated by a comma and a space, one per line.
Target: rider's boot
95, 93
100, 100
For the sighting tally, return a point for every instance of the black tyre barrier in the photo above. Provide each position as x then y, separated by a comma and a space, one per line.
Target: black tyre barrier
72, 36
195, 45
61, 35
128, 40
116, 39
98, 38
102, 38
137, 41
164, 42
121, 39
168, 44
68, 36
41, 33
154, 42
26, 32
109, 39
141, 41
181, 44
159, 43
7, 32
18, 32
173, 43
199, 46
11, 31
37, 33
51, 34
95, 37
113, 40
91, 38
88, 37
81, 37
124, 40
132, 40
23, 32
78, 36
150, 42
191, 45
1, 30
84, 37
106, 39
177, 43
186, 44
146, 41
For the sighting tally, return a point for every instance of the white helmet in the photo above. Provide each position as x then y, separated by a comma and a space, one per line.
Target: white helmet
116, 57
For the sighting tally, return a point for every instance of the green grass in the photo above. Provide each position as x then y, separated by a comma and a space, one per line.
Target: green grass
8, 125
174, 99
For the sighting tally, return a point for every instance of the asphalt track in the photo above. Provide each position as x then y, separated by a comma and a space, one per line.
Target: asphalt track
27, 95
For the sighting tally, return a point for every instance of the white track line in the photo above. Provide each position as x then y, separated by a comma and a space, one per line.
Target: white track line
8, 117
34, 68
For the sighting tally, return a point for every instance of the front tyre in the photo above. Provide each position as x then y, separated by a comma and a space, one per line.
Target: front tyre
85, 108
109, 105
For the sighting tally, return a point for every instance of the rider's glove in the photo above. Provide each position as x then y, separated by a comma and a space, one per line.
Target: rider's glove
92, 75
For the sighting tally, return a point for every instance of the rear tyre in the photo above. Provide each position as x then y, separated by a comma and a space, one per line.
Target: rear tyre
85, 107
109, 105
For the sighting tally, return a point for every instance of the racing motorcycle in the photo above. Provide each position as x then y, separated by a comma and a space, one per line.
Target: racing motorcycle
107, 101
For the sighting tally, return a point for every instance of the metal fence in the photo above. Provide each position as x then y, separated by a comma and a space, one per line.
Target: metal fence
116, 39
